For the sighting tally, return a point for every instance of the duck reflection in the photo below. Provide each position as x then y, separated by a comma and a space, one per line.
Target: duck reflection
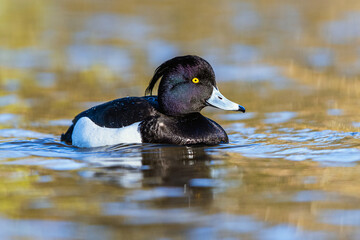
178, 166
156, 166
175, 166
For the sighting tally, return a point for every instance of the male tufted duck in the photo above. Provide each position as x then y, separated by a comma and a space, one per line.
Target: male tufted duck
187, 85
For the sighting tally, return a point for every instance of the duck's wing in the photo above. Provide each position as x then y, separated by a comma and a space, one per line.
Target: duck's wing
117, 113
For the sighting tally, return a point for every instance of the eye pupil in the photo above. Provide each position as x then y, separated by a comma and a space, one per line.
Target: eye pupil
195, 80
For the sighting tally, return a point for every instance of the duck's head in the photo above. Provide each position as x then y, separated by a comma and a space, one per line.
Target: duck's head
187, 86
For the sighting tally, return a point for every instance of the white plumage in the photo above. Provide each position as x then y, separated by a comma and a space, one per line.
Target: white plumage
87, 134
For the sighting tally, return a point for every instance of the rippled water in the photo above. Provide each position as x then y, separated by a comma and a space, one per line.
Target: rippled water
290, 170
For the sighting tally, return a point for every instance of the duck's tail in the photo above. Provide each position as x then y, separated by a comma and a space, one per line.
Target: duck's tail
66, 137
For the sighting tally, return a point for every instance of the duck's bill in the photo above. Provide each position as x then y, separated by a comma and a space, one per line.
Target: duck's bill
219, 101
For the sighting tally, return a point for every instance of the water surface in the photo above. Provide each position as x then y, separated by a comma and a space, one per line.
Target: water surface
290, 170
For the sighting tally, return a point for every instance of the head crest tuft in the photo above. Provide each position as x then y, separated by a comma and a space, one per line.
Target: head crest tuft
159, 72
169, 65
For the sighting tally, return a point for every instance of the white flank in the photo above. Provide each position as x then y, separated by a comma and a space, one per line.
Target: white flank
87, 134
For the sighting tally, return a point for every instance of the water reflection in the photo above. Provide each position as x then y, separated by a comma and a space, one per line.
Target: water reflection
279, 117
114, 26
350, 217
342, 30
320, 58
174, 171
180, 166
25, 58
83, 57
176, 166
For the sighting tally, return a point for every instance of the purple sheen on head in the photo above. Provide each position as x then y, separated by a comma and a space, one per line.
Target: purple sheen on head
187, 65
177, 94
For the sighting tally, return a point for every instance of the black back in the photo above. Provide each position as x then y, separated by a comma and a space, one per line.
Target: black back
117, 113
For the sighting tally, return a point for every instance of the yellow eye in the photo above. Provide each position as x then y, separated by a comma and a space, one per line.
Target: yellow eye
195, 80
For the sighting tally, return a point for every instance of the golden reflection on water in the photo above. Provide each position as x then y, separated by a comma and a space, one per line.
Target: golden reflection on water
277, 58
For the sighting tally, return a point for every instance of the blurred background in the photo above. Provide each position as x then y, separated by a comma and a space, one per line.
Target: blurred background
57, 54
290, 172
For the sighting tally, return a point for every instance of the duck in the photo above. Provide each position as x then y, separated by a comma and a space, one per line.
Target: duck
187, 85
